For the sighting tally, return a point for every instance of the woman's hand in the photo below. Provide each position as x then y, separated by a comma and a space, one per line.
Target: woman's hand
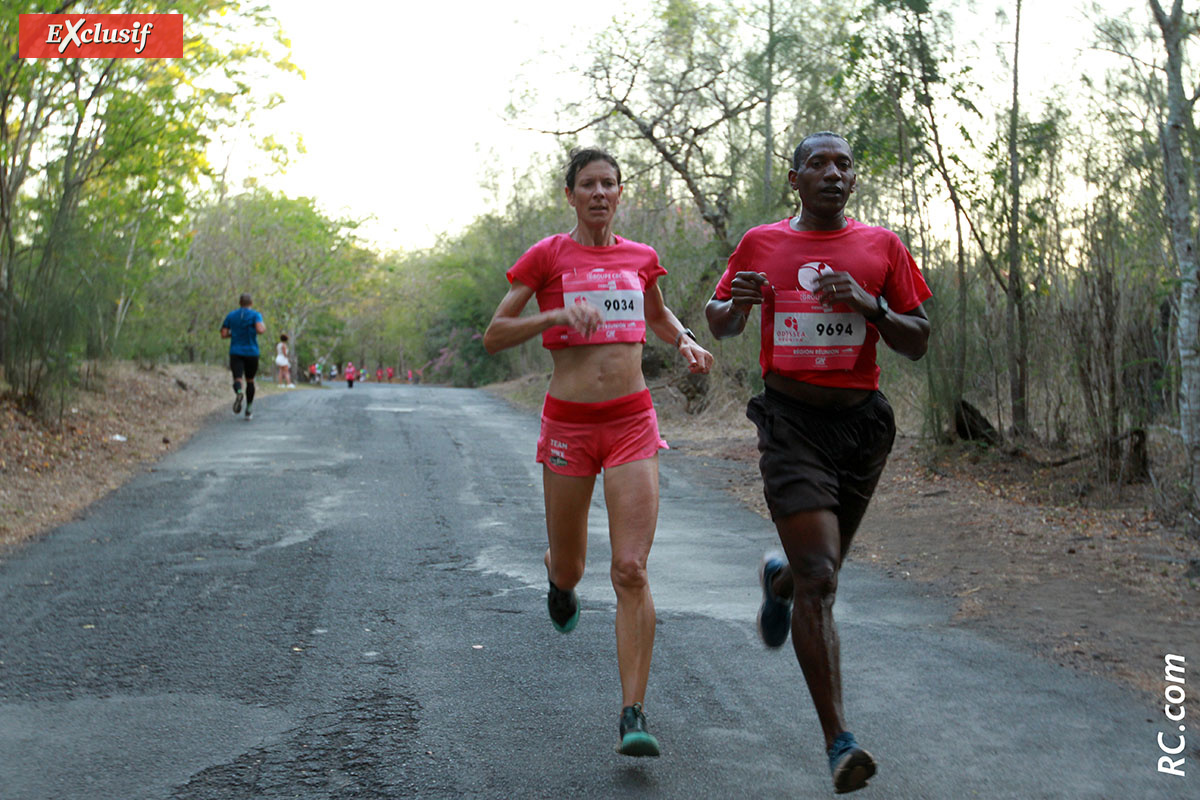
582, 317
698, 359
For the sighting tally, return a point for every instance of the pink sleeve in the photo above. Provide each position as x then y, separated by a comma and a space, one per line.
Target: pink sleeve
652, 270
530, 268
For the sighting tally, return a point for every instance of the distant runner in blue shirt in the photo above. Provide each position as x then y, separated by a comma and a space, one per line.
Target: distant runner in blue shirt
241, 327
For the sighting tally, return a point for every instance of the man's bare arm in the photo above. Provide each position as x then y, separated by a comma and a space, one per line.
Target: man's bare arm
907, 333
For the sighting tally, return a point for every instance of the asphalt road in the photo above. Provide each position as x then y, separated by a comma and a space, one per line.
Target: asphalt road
344, 598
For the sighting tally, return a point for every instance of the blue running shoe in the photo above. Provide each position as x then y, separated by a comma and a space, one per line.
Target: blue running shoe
563, 608
774, 615
635, 739
850, 764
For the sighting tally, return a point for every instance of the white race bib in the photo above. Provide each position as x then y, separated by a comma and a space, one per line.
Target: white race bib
619, 296
804, 335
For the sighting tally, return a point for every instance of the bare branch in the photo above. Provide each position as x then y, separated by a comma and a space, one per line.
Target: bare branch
568, 132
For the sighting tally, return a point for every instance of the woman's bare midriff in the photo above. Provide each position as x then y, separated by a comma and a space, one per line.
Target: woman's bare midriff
813, 395
595, 373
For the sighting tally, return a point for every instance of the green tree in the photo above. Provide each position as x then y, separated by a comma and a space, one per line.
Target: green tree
297, 262
677, 88
908, 101
72, 130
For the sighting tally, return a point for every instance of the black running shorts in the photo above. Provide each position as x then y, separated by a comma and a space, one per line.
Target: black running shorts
813, 458
243, 365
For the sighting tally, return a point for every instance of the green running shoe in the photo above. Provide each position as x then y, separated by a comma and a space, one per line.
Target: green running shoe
635, 739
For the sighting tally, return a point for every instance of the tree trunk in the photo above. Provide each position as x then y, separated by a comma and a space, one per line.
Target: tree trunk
125, 301
1018, 354
768, 135
960, 341
1178, 201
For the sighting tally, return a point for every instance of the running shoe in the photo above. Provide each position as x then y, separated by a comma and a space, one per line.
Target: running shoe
248, 414
775, 614
635, 739
563, 607
237, 402
850, 764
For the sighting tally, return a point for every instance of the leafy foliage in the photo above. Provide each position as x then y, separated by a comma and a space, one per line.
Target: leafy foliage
96, 158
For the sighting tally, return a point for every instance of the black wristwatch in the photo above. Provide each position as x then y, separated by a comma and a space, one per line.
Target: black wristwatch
881, 310
685, 332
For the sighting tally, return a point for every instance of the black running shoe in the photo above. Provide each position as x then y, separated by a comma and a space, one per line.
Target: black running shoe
237, 402
851, 766
774, 615
563, 607
635, 739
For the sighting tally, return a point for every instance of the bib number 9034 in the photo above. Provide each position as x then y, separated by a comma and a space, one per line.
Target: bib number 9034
612, 304
833, 330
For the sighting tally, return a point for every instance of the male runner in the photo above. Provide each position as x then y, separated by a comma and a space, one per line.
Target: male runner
241, 327
830, 288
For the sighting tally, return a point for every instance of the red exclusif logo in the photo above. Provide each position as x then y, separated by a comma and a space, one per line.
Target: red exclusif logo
100, 36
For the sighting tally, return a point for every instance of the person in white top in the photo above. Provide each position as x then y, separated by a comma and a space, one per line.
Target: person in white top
283, 364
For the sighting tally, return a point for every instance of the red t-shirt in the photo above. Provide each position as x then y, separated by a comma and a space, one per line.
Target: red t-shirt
545, 265
802, 341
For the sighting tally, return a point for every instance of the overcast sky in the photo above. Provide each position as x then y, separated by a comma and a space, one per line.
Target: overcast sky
402, 105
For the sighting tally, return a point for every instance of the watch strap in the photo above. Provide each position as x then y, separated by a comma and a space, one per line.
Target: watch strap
881, 310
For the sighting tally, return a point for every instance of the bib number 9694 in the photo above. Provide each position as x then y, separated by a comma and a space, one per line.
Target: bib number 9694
833, 330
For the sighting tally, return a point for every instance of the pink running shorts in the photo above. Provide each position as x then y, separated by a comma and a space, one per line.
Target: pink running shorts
583, 438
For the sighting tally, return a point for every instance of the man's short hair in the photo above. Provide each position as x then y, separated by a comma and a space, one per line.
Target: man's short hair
805, 147
246, 300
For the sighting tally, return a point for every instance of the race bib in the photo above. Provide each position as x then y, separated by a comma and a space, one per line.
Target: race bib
801, 334
619, 296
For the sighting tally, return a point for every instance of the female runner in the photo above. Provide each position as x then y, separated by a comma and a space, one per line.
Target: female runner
597, 294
